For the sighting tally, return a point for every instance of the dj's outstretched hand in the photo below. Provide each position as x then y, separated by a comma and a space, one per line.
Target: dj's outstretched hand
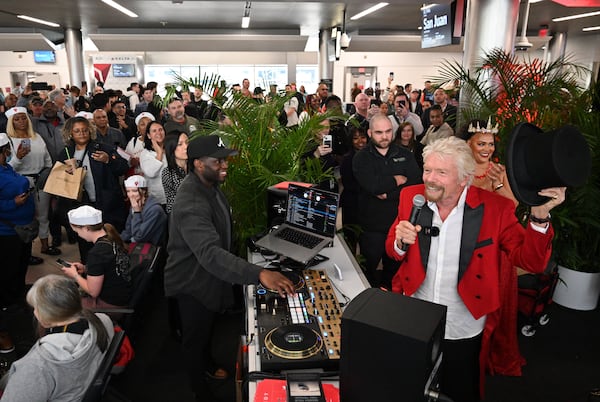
276, 281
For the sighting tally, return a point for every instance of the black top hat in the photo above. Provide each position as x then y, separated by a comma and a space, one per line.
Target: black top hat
536, 160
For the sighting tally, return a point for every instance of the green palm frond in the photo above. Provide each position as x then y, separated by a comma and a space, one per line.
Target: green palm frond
268, 153
512, 90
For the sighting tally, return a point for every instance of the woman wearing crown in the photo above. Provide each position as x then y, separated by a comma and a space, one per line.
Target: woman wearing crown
504, 357
489, 175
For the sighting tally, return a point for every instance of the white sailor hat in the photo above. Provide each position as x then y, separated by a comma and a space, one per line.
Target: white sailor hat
142, 115
135, 181
3, 139
84, 114
15, 110
85, 215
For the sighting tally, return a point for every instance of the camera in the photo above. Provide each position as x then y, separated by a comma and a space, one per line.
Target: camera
40, 86
327, 140
344, 41
523, 45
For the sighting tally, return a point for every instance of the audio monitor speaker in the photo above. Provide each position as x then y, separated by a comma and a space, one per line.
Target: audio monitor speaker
390, 344
276, 206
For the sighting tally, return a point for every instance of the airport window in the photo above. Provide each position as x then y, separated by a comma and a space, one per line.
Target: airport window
259, 75
307, 75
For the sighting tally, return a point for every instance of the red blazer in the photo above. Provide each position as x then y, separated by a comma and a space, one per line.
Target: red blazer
489, 227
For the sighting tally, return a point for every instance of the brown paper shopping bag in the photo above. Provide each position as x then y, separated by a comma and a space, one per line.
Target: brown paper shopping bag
65, 184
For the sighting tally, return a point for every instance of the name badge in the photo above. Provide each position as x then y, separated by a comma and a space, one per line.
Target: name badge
396, 160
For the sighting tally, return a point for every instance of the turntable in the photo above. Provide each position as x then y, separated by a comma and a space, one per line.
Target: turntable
300, 330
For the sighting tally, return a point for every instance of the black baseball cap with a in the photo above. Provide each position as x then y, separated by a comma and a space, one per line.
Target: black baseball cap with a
208, 146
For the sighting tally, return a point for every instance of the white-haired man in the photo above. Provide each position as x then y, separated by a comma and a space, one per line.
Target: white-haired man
459, 267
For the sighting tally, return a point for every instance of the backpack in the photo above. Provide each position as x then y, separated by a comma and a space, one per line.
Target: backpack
282, 118
122, 266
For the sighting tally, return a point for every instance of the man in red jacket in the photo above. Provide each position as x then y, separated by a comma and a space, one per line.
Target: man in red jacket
458, 267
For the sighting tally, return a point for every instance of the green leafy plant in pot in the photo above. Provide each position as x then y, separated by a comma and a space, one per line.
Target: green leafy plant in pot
268, 153
549, 95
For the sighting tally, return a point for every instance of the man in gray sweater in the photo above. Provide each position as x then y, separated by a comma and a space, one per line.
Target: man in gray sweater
201, 269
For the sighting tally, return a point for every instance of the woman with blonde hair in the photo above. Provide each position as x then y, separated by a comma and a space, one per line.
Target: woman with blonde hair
62, 363
29, 157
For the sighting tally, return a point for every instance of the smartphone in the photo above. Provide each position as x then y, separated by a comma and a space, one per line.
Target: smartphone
327, 140
26, 143
97, 147
391, 74
29, 191
63, 262
402, 102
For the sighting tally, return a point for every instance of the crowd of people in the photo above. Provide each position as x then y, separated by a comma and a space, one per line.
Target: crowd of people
147, 182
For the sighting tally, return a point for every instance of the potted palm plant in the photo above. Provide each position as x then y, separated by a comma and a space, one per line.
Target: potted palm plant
549, 95
269, 153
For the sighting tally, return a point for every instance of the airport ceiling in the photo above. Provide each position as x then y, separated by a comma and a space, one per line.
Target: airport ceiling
179, 25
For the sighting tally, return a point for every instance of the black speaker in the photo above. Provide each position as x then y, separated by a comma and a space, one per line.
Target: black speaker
390, 344
276, 206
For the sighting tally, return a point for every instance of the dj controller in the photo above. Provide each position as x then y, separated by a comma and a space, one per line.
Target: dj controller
301, 330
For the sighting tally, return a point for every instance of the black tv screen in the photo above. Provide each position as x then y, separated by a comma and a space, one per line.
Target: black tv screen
44, 56
437, 26
123, 70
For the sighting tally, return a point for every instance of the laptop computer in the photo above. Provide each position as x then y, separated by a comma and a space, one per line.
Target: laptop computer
309, 225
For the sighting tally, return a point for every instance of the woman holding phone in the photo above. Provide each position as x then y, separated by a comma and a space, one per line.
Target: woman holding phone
16, 208
103, 165
29, 157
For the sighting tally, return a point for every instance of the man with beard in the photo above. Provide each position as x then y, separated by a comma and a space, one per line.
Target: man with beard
382, 169
459, 267
201, 268
178, 120
49, 126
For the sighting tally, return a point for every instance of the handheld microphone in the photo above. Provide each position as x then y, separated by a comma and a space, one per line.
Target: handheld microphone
418, 202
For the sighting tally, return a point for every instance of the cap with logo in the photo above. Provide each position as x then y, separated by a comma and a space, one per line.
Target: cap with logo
211, 146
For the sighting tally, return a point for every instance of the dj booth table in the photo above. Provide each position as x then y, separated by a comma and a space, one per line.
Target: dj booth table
351, 283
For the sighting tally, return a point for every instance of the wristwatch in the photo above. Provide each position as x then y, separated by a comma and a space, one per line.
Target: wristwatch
539, 220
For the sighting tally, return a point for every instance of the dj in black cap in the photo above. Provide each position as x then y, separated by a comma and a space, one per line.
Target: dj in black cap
200, 268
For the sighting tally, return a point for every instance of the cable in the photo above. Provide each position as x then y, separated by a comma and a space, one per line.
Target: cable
346, 298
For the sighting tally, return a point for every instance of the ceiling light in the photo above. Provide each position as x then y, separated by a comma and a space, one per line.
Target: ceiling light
245, 22
574, 17
28, 18
119, 7
369, 11
588, 29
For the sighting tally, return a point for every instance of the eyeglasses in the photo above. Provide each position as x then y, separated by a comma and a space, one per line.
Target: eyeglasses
82, 131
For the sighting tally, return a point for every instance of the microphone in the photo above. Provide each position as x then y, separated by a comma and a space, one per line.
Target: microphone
418, 202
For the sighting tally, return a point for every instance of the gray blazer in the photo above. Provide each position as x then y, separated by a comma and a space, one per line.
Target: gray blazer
200, 263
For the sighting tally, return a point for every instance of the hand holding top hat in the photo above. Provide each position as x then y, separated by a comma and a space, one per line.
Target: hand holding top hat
541, 165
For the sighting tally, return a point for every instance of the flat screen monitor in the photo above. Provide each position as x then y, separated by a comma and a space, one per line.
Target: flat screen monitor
44, 56
437, 26
123, 70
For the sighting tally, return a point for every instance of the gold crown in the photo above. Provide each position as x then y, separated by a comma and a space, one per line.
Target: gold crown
489, 129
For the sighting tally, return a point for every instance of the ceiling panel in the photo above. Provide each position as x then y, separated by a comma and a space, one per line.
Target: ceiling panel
194, 17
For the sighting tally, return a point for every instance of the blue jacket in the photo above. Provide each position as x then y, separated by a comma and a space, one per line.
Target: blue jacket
11, 185
148, 226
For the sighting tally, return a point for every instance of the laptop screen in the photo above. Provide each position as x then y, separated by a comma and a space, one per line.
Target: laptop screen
312, 209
